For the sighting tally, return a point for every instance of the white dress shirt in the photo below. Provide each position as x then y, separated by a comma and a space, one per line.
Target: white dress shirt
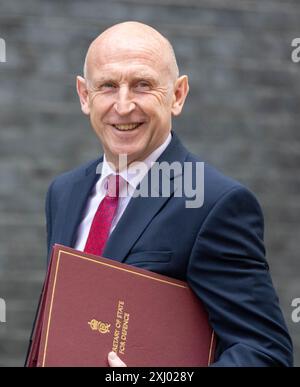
132, 178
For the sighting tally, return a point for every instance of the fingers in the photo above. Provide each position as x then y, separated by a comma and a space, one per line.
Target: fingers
115, 361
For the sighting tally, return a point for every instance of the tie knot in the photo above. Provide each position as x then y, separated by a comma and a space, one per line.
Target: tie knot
113, 185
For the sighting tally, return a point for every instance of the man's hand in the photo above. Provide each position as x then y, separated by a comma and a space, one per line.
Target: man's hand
115, 361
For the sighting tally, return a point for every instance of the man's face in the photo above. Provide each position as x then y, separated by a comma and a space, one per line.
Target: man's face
130, 105
130, 95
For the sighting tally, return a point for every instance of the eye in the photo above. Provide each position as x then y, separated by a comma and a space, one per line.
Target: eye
107, 86
142, 86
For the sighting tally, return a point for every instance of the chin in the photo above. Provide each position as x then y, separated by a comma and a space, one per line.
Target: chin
125, 149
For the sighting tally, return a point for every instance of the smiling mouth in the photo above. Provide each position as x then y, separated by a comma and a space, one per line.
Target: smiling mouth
127, 127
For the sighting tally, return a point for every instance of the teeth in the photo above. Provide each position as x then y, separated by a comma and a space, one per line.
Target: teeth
127, 126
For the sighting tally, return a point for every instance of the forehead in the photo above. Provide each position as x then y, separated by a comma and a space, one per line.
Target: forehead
130, 61
125, 70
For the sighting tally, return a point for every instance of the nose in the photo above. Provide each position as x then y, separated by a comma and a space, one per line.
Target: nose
124, 105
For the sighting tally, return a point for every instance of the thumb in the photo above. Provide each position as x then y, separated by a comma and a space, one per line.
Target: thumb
115, 361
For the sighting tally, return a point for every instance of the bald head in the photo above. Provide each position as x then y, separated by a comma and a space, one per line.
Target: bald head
131, 90
130, 36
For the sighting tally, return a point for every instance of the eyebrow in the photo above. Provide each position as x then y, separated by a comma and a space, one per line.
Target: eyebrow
138, 77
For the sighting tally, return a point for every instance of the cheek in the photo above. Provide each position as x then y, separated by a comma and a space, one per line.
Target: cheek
157, 99
155, 105
99, 105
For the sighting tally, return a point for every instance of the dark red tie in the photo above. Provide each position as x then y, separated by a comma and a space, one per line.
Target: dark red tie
103, 218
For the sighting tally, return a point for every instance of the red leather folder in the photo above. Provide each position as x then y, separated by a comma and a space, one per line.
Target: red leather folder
92, 305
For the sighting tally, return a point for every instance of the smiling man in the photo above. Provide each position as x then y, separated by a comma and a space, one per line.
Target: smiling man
130, 91
131, 88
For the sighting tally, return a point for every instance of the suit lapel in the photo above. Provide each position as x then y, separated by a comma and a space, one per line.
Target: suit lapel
133, 222
141, 210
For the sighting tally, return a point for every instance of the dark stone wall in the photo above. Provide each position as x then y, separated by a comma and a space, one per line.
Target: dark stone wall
242, 115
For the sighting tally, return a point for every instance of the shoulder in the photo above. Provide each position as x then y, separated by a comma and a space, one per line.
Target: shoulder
65, 179
219, 188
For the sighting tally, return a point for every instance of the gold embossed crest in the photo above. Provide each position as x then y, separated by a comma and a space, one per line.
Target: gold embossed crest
99, 326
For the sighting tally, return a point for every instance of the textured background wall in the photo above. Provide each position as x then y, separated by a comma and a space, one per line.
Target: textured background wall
242, 115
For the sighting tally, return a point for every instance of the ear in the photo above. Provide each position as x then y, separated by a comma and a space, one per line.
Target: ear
83, 94
181, 90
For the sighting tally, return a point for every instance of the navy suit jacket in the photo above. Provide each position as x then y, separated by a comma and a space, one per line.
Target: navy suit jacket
218, 248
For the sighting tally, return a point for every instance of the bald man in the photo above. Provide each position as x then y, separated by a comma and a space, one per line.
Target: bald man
131, 90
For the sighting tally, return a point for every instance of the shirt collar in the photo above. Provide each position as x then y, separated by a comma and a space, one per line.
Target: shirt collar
136, 171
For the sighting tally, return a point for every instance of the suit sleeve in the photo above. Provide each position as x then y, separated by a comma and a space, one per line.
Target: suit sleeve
229, 273
49, 215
